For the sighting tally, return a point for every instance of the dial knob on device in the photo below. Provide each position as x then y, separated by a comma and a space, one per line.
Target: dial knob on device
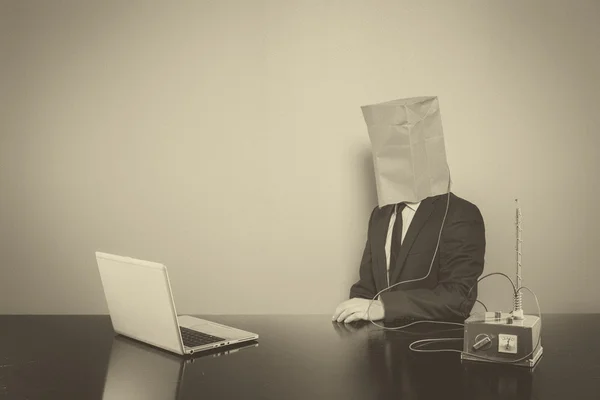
480, 341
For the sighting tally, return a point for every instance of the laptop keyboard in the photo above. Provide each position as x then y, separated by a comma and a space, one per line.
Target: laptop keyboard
192, 338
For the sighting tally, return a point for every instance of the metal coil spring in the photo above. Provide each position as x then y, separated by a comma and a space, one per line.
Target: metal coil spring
518, 301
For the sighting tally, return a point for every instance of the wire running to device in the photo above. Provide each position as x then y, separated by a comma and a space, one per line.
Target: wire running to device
432, 332
480, 302
417, 279
425, 342
397, 328
537, 343
427, 275
492, 274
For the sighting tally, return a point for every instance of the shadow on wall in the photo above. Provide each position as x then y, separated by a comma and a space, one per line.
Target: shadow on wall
363, 200
368, 177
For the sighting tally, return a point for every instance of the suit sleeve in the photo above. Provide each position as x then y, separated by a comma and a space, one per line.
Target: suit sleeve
462, 250
365, 287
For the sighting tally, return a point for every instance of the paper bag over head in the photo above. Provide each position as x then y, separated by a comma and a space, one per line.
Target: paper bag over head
409, 154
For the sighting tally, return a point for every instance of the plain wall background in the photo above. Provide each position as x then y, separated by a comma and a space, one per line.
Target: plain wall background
225, 139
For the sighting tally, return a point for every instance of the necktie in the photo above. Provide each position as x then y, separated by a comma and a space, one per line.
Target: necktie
396, 237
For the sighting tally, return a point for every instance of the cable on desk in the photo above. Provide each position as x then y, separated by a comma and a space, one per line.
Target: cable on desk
424, 342
397, 328
421, 333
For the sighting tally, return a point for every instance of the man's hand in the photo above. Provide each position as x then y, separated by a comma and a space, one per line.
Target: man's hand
356, 309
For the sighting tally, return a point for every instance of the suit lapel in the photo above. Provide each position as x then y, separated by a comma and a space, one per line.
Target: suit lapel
379, 237
421, 216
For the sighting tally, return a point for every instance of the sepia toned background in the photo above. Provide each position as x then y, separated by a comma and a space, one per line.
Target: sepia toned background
225, 139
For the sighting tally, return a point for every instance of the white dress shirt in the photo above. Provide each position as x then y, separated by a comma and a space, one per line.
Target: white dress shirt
407, 216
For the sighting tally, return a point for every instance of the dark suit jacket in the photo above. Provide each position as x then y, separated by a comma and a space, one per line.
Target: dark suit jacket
457, 265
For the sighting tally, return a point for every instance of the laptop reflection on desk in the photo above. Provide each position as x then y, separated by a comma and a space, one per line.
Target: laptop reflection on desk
140, 372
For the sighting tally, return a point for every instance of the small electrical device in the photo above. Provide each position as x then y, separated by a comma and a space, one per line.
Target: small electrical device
506, 338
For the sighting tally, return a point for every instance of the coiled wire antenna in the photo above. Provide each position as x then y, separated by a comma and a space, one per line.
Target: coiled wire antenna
518, 298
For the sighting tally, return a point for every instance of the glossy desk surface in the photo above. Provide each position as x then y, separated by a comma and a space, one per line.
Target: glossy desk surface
297, 357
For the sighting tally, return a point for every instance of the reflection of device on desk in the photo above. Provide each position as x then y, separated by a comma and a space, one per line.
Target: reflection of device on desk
136, 371
512, 338
496, 381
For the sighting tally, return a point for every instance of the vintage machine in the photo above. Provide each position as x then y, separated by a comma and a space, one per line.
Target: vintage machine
506, 337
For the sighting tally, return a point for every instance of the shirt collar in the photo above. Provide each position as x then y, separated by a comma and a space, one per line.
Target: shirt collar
412, 206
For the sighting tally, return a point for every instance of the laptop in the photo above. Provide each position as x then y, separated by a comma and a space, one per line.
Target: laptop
136, 371
141, 307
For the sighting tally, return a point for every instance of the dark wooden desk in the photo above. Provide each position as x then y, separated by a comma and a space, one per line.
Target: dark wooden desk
297, 357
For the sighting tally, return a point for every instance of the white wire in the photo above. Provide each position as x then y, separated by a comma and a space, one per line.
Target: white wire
537, 343
417, 279
428, 341
536, 301
452, 323
436, 331
492, 274
481, 302
397, 328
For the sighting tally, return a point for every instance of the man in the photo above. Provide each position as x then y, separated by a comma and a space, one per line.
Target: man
424, 243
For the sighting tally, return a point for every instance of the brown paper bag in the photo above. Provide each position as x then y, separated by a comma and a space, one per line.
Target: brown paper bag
408, 149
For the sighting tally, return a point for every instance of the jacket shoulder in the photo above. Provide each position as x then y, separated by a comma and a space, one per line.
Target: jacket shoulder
381, 211
463, 207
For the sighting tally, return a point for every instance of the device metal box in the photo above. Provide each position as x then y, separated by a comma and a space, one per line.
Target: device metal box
498, 337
